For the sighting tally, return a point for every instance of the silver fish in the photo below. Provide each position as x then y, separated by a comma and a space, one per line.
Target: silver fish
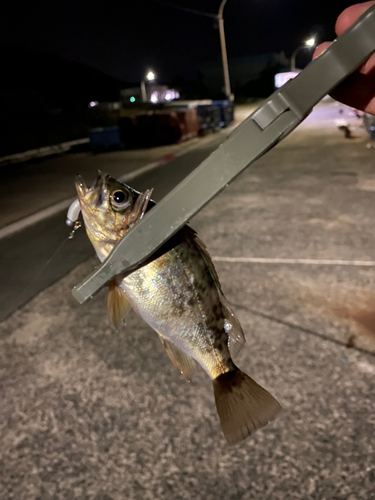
178, 293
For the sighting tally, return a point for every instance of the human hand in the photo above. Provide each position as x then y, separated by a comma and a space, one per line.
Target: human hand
358, 90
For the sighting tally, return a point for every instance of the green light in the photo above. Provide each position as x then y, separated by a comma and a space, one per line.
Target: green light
132, 99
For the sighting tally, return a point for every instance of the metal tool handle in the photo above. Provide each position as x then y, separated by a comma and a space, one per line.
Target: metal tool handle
269, 124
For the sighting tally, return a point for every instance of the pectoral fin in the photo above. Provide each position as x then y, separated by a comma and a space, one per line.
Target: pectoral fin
184, 363
118, 304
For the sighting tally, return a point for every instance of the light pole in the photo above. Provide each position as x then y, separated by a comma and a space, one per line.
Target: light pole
224, 50
310, 43
149, 78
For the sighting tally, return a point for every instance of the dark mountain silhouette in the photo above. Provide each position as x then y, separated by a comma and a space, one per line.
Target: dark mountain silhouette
52, 80
44, 98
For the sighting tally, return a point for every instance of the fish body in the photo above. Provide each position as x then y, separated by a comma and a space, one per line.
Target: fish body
178, 293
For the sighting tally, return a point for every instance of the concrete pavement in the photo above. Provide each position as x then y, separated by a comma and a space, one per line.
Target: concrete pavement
89, 413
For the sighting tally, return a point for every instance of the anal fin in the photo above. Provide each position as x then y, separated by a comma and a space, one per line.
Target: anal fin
184, 363
118, 304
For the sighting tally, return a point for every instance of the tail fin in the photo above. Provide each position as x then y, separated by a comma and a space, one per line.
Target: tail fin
243, 405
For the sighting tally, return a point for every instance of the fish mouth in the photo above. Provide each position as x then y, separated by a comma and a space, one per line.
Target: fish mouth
82, 188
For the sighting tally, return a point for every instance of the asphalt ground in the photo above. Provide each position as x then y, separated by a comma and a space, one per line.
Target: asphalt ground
91, 413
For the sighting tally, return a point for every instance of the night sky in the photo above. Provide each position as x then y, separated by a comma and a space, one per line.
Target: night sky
124, 38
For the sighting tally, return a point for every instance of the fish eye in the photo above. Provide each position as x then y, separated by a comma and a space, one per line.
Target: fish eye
120, 199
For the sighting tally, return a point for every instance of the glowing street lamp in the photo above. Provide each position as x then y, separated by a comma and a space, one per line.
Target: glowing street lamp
150, 76
309, 44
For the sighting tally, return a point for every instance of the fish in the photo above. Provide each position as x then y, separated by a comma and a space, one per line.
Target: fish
178, 293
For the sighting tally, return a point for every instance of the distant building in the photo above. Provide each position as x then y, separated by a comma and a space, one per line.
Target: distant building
155, 93
243, 71
285, 76
161, 93
132, 94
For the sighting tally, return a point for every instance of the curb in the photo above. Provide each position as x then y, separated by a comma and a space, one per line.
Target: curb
40, 152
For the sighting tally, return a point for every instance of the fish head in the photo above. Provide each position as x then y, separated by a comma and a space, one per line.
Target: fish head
109, 209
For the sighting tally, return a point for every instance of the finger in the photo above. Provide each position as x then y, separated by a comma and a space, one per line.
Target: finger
369, 65
366, 68
350, 15
344, 21
320, 49
357, 91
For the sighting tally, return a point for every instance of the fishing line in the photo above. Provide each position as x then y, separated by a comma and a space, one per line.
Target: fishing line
76, 226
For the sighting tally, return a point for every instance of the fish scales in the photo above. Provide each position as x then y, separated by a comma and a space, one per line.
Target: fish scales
175, 294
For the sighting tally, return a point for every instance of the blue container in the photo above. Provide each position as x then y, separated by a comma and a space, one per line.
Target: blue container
208, 117
369, 122
105, 138
226, 112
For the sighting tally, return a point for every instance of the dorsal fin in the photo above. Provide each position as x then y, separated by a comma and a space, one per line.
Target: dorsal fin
184, 363
117, 303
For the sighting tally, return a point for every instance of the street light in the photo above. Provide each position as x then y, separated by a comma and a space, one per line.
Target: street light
310, 43
224, 50
149, 78
151, 75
